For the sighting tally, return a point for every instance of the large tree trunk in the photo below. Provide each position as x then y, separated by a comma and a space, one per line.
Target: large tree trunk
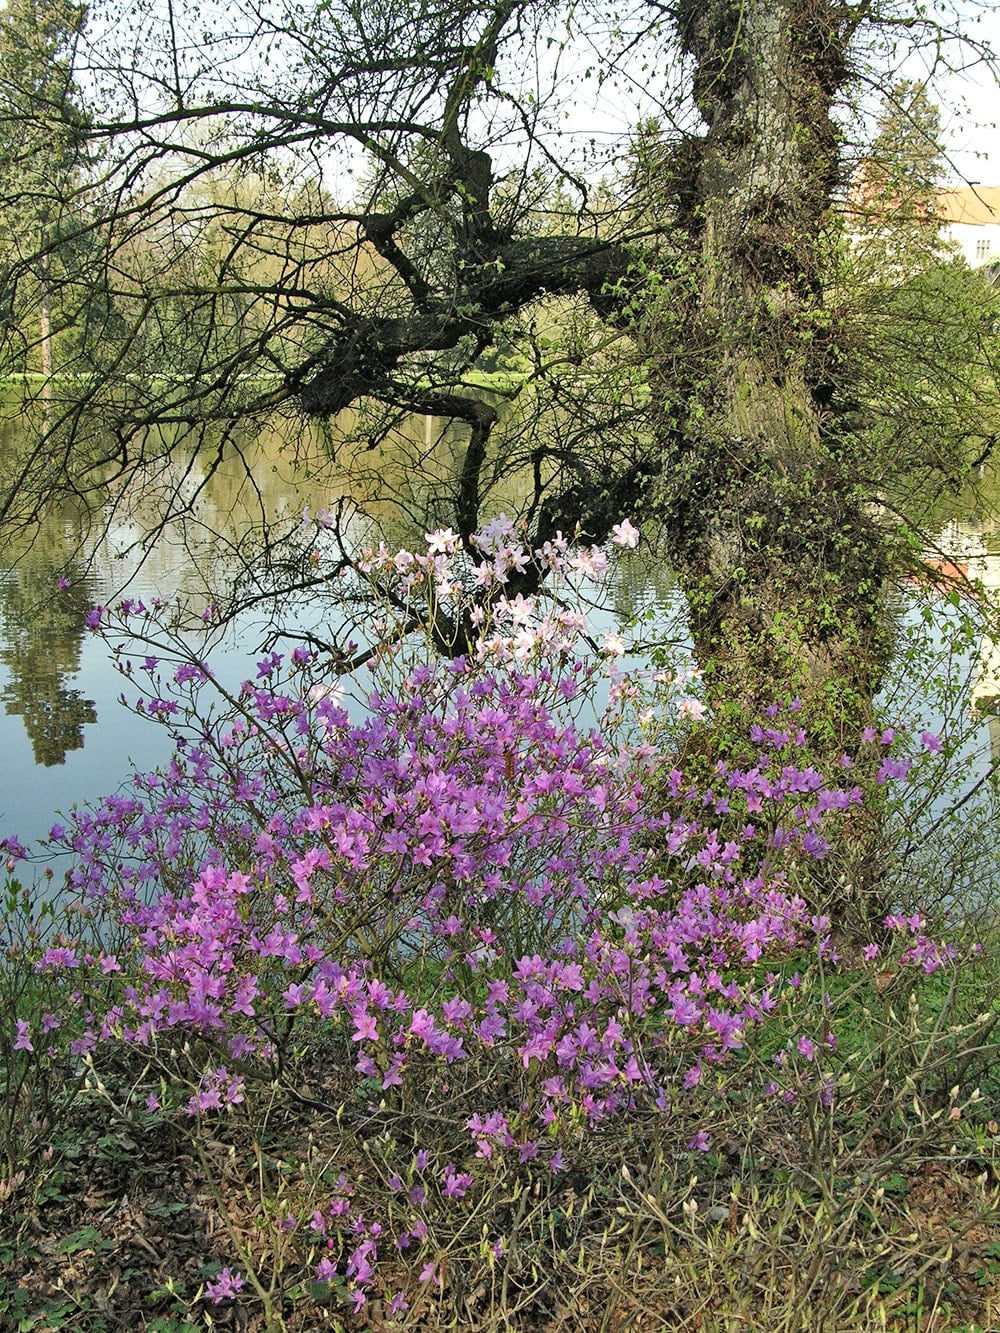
782, 564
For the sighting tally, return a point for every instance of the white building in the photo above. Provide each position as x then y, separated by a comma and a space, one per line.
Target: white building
970, 217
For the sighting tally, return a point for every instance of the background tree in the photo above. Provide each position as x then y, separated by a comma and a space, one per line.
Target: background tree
919, 348
892, 207
40, 161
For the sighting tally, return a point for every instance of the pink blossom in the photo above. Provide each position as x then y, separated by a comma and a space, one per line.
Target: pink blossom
442, 542
228, 1284
624, 534
691, 709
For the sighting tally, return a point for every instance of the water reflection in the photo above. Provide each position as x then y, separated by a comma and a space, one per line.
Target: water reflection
43, 627
971, 547
239, 540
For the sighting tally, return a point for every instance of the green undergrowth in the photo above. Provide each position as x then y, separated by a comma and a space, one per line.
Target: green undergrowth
868, 1201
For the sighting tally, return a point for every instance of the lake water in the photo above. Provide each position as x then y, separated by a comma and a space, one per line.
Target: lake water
65, 737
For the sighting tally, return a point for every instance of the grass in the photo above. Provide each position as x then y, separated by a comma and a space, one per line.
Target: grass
879, 1212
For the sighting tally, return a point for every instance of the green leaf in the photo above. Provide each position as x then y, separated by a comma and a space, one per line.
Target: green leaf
87, 1238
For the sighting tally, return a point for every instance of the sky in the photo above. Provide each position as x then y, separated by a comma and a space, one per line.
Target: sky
965, 88
972, 123
969, 100
594, 121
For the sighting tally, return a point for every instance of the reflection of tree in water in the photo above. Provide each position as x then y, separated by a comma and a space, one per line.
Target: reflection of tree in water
42, 631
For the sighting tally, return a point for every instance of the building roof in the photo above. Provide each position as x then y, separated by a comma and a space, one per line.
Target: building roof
973, 205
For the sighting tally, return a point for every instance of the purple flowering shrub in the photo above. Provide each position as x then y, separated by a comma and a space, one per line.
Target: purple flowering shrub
484, 921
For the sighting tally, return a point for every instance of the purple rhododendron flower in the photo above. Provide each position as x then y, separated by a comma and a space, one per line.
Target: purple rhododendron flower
227, 1285
496, 897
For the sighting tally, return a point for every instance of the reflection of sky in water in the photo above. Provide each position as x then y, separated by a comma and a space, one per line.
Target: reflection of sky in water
30, 793
114, 740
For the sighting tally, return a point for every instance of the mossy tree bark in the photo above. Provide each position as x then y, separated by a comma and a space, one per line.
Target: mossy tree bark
783, 563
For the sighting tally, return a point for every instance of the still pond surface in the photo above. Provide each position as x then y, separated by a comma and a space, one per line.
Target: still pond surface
64, 736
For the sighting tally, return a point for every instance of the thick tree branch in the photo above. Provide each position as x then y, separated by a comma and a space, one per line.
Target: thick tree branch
359, 360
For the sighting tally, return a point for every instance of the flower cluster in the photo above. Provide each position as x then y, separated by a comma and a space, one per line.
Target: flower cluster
455, 883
